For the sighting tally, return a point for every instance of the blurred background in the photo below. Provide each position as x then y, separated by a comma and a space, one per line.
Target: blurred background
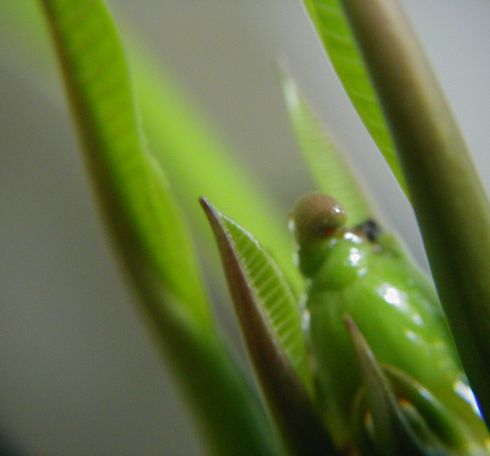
79, 372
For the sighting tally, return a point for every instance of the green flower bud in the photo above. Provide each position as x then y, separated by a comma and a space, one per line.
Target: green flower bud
316, 218
365, 273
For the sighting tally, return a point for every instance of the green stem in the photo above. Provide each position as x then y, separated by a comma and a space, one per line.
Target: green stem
450, 203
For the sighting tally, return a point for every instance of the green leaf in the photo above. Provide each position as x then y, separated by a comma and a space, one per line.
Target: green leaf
271, 325
147, 226
337, 37
132, 188
449, 201
273, 295
180, 138
329, 169
393, 434
181, 141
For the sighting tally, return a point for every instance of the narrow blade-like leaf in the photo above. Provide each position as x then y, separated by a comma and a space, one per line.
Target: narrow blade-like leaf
337, 37
147, 226
329, 169
133, 190
450, 203
271, 326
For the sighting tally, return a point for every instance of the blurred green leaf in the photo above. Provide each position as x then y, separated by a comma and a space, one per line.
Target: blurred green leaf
450, 203
182, 142
133, 189
329, 169
338, 39
147, 226
271, 325
180, 138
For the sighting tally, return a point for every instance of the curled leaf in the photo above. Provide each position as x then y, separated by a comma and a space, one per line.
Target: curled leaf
271, 327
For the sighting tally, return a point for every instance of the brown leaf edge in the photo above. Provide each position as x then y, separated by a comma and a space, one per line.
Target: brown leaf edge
297, 421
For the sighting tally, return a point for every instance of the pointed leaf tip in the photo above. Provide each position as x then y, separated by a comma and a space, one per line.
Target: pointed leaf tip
271, 290
392, 432
328, 166
300, 427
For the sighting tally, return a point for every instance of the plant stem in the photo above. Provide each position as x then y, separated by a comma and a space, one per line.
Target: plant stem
450, 203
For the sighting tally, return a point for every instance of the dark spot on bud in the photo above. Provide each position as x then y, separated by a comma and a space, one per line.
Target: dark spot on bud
369, 229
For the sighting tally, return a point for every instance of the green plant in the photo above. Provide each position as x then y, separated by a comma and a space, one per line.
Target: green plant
150, 232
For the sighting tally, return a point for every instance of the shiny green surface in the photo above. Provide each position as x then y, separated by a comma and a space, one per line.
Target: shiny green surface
398, 312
